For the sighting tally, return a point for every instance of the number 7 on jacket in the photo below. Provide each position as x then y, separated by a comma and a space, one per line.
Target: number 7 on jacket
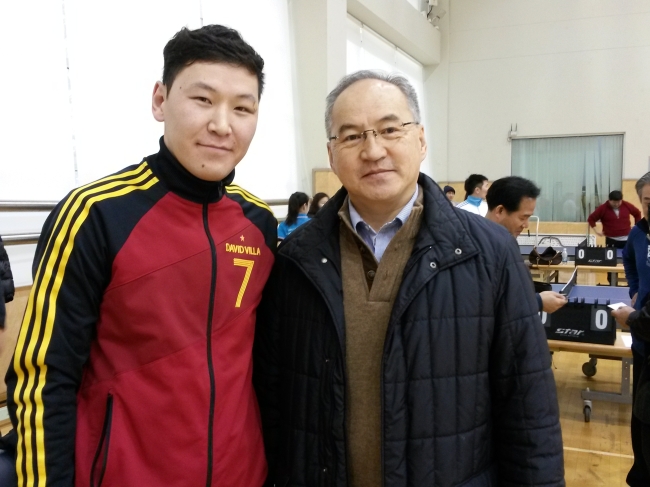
249, 269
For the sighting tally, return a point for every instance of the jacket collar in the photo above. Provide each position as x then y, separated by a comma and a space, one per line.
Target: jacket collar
179, 180
443, 239
442, 231
643, 226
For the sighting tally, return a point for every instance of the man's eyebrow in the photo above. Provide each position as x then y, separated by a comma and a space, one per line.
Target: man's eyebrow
390, 118
202, 85
387, 118
349, 126
248, 97
207, 87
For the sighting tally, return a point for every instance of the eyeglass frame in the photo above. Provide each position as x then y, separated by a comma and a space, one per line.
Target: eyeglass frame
364, 133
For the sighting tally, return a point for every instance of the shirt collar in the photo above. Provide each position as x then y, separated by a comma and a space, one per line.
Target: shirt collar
402, 216
474, 200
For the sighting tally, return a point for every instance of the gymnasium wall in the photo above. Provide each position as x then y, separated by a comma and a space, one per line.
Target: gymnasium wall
552, 67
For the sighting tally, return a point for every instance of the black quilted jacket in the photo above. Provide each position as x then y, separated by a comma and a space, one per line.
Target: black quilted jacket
6, 277
468, 396
6, 282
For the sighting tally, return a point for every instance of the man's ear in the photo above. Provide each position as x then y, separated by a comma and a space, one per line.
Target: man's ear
331, 158
423, 143
500, 212
158, 99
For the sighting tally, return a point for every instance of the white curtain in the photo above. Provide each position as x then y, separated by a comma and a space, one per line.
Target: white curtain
576, 174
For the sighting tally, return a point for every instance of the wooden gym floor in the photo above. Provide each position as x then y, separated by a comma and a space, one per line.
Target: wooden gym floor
599, 452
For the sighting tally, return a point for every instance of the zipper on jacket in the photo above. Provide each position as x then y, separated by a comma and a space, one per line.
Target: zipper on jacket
344, 367
213, 393
328, 462
104, 442
389, 329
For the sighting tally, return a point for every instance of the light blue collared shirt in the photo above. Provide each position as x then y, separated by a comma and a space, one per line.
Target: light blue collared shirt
378, 241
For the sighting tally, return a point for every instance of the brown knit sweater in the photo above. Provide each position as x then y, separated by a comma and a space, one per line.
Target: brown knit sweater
369, 290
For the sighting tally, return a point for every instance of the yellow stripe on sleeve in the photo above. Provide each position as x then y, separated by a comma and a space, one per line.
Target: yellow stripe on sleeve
234, 189
59, 246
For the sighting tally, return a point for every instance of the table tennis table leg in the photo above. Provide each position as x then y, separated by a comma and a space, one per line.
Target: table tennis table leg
624, 397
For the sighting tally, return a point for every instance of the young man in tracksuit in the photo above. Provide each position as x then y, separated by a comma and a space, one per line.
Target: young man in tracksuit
133, 363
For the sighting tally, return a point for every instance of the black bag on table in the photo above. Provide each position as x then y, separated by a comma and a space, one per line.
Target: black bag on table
550, 256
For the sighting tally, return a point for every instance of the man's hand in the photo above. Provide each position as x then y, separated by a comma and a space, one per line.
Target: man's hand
552, 301
621, 315
600, 234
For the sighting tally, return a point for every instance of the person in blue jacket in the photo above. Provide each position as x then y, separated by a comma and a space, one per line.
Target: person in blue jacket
296, 216
636, 260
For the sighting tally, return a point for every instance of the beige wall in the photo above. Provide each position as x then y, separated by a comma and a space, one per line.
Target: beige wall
552, 67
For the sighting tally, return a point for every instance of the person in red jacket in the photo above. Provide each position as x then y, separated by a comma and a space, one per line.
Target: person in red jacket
614, 215
133, 364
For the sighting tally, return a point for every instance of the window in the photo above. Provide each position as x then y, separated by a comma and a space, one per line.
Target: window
416, 4
576, 174
368, 50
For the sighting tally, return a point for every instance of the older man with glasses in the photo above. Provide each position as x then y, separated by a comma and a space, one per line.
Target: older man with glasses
398, 342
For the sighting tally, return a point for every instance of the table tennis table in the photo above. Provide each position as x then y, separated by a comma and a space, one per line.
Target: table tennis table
552, 272
593, 301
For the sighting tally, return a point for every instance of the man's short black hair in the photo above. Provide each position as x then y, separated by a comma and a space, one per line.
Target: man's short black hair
472, 182
213, 44
615, 195
449, 189
509, 192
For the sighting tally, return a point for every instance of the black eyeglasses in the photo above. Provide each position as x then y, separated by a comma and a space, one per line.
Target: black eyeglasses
388, 133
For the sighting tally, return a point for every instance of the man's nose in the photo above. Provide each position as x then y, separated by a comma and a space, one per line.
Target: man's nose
220, 122
372, 148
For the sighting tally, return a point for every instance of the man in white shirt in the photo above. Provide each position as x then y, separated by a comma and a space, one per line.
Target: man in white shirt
476, 186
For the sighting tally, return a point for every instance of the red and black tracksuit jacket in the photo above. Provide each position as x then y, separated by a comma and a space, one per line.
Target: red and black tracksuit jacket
133, 363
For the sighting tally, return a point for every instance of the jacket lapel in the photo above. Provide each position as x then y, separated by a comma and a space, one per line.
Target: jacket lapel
316, 252
443, 241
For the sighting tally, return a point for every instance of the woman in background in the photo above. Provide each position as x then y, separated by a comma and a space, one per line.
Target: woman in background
317, 203
297, 215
